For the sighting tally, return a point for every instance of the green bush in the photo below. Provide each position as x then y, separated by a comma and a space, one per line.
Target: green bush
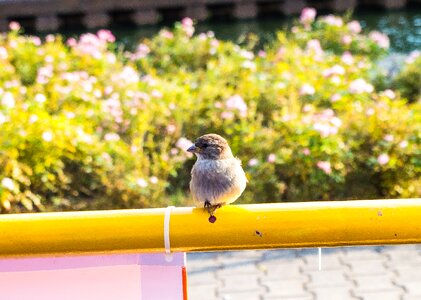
85, 125
408, 81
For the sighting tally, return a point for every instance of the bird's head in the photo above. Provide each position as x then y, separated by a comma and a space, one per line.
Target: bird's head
211, 146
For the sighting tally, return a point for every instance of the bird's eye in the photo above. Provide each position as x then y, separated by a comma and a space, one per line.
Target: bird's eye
205, 145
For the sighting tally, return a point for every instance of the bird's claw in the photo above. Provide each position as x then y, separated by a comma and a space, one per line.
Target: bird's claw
211, 210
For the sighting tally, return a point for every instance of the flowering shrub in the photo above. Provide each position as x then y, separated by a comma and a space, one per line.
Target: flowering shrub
85, 125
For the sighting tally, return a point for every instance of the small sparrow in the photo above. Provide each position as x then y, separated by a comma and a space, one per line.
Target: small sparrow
217, 177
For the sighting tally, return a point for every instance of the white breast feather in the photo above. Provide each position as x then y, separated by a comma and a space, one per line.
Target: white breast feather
217, 181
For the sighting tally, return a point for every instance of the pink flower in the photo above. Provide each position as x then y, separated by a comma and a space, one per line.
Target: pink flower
308, 14
71, 42
335, 97
106, 36
333, 20
236, 102
346, 40
281, 53
325, 166
50, 38
308, 108
380, 39
141, 51
261, 53
315, 47
187, 25
227, 115
253, 162
247, 54
306, 151
112, 137
171, 128
8, 100
307, 89
383, 159
403, 144
271, 158
156, 94
325, 129
166, 34
388, 138
360, 86
347, 58
3, 53
36, 40
40, 98
218, 104
187, 22
183, 144
354, 27
389, 94
335, 121
47, 136
141, 182
335, 70
14, 26
153, 179
370, 111
174, 151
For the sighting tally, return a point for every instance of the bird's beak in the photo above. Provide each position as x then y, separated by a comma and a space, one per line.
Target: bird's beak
192, 149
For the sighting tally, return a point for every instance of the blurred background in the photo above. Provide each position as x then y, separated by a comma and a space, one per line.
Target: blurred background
99, 100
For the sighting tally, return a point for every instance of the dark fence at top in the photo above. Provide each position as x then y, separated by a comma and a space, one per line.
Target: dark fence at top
51, 15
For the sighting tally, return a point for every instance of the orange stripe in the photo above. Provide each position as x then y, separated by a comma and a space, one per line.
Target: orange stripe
184, 276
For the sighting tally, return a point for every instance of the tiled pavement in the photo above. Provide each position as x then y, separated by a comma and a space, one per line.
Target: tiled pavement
366, 273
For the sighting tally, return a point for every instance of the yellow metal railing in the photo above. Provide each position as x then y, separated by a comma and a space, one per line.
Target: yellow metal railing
284, 225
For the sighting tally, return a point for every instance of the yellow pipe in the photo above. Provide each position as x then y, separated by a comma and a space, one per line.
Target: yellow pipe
284, 225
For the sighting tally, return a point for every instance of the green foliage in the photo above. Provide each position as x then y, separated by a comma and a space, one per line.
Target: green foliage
408, 81
87, 126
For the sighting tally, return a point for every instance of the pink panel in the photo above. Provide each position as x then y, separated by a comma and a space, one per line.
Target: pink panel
105, 283
162, 282
87, 261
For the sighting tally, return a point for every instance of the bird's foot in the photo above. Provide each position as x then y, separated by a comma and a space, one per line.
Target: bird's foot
211, 210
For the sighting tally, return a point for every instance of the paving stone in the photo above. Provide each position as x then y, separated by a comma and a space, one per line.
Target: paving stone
412, 289
380, 295
206, 265
201, 261
237, 268
285, 275
404, 257
363, 254
205, 278
240, 295
283, 253
408, 274
284, 270
255, 254
409, 297
283, 264
364, 273
371, 283
329, 262
331, 278
332, 293
367, 267
201, 292
270, 297
247, 281
288, 288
